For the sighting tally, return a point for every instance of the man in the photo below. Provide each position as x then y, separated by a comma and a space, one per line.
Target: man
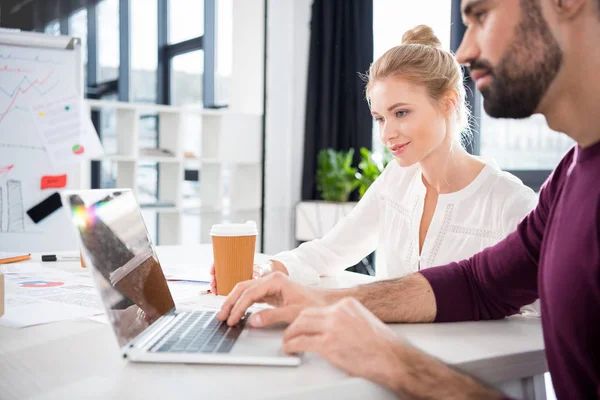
526, 56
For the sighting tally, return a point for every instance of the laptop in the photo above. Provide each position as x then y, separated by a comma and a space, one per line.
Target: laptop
115, 245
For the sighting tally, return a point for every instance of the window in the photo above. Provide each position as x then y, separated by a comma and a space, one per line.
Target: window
166, 64
527, 144
186, 78
53, 28
392, 18
108, 40
78, 28
224, 51
144, 56
186, 20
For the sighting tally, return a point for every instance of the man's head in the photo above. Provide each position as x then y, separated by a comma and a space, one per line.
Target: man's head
512, 52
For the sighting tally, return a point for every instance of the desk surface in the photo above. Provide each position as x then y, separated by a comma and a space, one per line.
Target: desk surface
80, 358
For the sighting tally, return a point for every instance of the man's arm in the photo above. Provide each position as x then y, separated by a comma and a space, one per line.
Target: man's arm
409, 299
418, 376
492, 284
356, 341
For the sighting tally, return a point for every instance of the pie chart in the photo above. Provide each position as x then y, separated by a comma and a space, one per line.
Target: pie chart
78, 149
41, 284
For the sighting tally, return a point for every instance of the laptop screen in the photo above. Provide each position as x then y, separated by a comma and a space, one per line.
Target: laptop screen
116, 246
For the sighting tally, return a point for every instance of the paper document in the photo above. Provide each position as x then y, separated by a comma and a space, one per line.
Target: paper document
37, 295
66, 130
186, 272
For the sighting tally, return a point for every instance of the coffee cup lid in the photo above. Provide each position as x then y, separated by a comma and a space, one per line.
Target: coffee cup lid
247, 229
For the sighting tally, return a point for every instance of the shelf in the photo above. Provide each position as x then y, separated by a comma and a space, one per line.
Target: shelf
229, 162
116, 157
160, 159
157, 159
150, 108
211, 140
147, 108
211, 112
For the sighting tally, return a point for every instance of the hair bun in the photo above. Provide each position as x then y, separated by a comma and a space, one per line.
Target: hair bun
421, 34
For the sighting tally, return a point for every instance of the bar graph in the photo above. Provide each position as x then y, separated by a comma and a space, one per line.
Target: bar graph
16, 212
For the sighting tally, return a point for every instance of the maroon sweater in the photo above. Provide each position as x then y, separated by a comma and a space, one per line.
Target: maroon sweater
555, 255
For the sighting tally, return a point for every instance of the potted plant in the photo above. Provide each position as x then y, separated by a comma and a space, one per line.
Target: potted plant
336, 180
371, 166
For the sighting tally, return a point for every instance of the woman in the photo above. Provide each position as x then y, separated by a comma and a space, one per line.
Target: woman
436, 203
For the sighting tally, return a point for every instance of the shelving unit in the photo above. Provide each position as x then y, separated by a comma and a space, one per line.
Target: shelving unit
228, 146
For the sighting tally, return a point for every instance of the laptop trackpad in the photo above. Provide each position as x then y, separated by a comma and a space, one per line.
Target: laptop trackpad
260, 342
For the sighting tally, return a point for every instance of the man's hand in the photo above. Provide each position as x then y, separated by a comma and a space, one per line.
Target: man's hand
289, 299
354, 340
348, 336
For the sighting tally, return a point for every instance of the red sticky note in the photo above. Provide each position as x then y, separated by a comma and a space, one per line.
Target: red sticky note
54, 181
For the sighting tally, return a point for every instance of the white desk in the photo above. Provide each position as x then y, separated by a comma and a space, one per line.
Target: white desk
80, 359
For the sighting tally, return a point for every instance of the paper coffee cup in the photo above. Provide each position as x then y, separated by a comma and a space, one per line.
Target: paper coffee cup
143, 282
233, 250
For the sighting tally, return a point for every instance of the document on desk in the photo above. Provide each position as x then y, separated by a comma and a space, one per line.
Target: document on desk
186, 272
37, 295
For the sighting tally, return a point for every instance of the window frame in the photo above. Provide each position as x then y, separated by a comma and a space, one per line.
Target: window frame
166, 53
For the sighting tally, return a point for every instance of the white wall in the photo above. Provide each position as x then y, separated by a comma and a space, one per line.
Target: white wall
288, 37
247, 67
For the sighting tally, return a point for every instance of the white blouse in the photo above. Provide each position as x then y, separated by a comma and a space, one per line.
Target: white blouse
388, 217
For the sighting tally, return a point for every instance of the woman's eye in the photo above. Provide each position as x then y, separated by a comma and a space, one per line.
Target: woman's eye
401, 113
379, 120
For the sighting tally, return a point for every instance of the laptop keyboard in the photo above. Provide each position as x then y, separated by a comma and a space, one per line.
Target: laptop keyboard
200, 332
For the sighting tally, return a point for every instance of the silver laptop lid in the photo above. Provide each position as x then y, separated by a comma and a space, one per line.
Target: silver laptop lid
116, 246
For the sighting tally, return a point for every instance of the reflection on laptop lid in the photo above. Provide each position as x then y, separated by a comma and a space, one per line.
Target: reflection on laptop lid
116, 246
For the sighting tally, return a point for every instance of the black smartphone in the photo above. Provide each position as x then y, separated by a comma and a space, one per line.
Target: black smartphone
45, 208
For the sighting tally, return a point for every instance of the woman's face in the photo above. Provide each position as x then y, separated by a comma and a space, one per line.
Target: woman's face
410, 126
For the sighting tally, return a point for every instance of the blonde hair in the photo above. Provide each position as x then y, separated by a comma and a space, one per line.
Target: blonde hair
421, 59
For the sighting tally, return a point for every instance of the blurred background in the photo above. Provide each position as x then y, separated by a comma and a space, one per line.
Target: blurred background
249, 85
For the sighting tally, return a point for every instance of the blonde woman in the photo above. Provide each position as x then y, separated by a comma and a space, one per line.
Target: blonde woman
435, 203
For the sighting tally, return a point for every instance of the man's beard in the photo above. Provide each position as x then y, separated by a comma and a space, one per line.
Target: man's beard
522, 77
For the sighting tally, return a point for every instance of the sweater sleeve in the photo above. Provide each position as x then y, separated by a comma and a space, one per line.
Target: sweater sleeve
498, 281
514, 211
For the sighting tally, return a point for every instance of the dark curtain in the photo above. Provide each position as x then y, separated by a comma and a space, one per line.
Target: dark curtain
337, 114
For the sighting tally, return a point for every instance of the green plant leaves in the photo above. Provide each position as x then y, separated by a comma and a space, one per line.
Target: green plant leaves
337, 178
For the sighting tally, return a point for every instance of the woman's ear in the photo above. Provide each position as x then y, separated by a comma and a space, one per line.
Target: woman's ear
451, 100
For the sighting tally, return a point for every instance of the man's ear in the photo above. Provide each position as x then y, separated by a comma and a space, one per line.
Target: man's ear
567, 9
